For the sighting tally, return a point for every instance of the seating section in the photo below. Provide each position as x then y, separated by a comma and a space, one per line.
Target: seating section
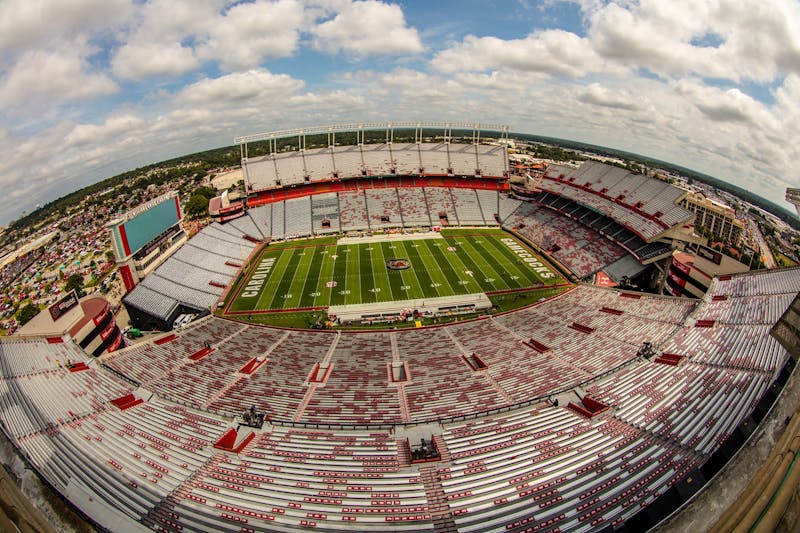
383, 207
489, 203
357, 390
308, 479
604, 226
695, 406
572, 244
646, 206
441, 384
325, 207
353, 211
298, 217
468, 208
548, 469
413, 207
196, 274
278, 387
406, 158
262, 218
321, 164
332, 453
440, 205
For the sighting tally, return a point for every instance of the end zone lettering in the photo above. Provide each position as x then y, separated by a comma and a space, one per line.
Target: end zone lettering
253, 286
523, 254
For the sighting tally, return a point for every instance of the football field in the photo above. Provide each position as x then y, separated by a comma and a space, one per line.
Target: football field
322, 272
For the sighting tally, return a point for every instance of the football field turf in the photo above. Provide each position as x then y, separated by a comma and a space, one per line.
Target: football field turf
320, 272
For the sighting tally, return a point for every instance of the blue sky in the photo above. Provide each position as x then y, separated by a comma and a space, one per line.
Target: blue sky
90, 88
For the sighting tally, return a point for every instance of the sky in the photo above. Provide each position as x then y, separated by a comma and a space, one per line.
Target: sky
92, 88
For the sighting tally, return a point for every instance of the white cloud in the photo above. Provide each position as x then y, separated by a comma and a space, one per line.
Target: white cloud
232, 89
554, 52
26, 23
153, 44
126, 125
249, 33
731, 39
366, 28
52, 76
139, 61
617, 99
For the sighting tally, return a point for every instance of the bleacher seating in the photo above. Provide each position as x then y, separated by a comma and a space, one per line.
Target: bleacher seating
298, 217
574, 245
353, 211
413, 207
332, 453
646, 206
383, 208
467, 207
440, 206
325, 207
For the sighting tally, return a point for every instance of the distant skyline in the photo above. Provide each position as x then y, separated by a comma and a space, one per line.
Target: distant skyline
92, 88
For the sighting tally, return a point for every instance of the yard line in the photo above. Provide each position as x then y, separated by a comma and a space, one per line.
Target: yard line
339, 276
325, 275
300, 278
488, 264
397, 278
435, 270
368, 287
312, 277
380, 274
451, 271
424, 280
282, 290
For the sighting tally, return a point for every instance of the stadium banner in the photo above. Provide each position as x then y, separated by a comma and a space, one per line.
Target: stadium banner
127, 277
60, 308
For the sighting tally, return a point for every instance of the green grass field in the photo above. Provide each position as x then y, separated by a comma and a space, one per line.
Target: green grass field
318, 272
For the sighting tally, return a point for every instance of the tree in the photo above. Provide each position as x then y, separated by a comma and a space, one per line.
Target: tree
110, 256
206, 192
74, 282
197, 206
27, 313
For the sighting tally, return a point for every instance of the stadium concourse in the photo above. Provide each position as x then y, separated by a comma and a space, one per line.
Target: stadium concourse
130, 439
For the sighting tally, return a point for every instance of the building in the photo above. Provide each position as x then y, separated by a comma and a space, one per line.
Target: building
145, 236
690, 274
715, 217
88, 321
793, 197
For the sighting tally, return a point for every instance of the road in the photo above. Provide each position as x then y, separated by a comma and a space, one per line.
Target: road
766, 253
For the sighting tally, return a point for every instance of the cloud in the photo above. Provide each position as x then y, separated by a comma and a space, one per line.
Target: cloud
60, 75
139, 61
252, 86
366, 28
27, 23
598, 95
553, 52
249, 33
728, 39
155, 40
114, 126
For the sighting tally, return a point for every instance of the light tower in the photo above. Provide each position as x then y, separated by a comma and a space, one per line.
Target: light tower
793, 197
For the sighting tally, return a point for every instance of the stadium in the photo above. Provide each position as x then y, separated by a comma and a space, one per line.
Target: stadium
578, 408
